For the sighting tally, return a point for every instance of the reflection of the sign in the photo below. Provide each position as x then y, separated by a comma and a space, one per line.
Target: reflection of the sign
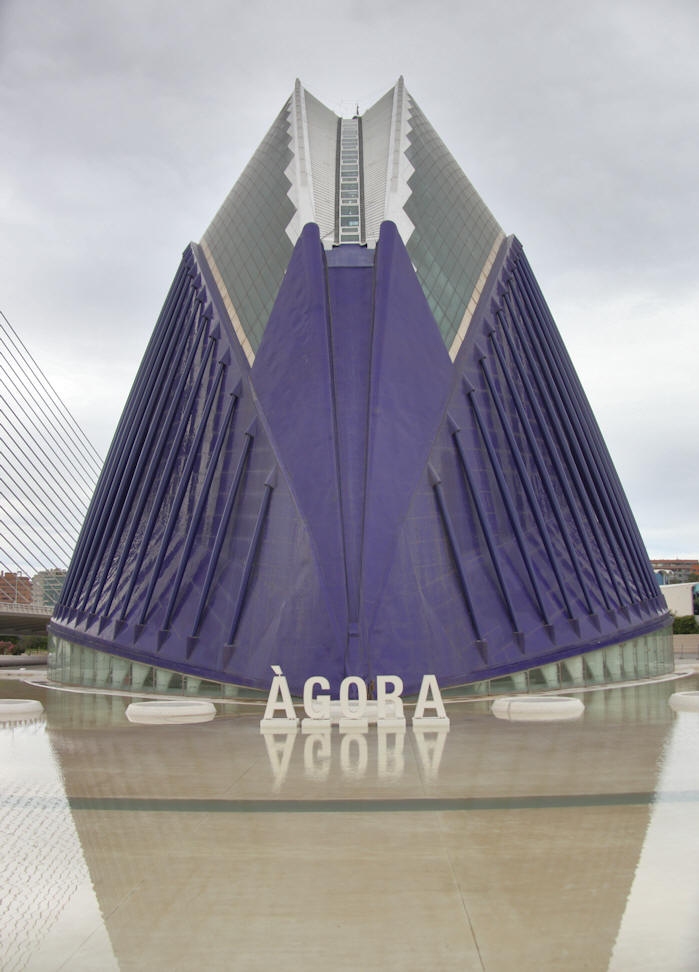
430, 747
41, 861
352, 751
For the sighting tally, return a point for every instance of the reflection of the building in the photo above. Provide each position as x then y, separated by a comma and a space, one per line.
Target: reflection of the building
665, 891
45, 880
541, 886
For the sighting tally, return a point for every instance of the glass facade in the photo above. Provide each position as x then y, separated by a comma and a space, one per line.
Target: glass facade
454, 229
452, 245
454, 234
247, 238
73, 664
648, 656
644, 657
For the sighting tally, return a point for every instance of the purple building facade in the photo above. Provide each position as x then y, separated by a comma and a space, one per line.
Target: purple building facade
356, 445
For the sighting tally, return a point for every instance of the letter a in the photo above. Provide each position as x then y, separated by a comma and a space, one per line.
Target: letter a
429, 686
279, 690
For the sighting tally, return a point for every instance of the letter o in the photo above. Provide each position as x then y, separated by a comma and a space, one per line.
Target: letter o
353, 708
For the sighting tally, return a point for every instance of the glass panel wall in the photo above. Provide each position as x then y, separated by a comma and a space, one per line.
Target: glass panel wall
644, 657
79, 665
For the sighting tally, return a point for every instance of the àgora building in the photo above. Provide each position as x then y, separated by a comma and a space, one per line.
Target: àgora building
356, 445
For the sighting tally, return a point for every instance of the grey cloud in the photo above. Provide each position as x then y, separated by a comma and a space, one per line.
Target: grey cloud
126, 124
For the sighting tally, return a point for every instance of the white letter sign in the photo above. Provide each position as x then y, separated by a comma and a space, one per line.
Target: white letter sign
390, 704
279, 689
353, 711
429, 686
317, 709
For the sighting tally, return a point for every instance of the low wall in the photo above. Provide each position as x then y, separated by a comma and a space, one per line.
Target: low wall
686, 646
21, 661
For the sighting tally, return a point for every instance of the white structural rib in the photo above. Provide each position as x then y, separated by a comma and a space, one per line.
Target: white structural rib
298, 172
322, 127
376, 133
399, 169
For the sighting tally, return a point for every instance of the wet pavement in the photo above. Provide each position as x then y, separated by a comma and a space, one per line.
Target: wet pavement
492, 845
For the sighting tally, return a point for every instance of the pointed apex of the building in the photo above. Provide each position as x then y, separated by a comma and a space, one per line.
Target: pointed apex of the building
348, 175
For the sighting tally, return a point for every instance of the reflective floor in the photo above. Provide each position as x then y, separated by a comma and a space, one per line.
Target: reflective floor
493, 846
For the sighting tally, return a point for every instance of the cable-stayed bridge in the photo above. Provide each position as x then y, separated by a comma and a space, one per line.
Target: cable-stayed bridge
48, 472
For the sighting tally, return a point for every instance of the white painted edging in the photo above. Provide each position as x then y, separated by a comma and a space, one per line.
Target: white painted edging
20, 708
537, 708
685, 701
170, 712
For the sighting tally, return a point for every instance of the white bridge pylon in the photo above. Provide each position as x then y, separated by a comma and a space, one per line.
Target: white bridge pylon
48, 468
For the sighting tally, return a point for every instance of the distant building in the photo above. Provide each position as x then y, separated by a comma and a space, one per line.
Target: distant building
680, 598
47, 586
676, 571
357, 446
15, 588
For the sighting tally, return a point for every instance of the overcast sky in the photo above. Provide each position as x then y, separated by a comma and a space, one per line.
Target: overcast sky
125, 122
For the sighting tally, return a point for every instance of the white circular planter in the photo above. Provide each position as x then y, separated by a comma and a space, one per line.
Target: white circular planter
685, 701
170, 712
14, 709
537, 708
